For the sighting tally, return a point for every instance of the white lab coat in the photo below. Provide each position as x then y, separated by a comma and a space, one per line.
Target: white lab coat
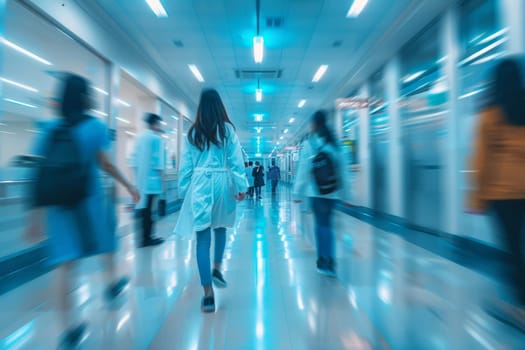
208, 182
305, 185
148, 161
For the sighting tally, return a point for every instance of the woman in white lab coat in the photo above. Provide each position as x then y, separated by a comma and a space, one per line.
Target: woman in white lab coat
211, 179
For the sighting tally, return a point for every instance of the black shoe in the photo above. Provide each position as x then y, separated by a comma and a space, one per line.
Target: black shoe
115, 289
152, 242
72, 337
326, 267
208, 304
218, 279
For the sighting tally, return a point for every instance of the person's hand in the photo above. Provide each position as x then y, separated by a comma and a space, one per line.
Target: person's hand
134, 194
240, 196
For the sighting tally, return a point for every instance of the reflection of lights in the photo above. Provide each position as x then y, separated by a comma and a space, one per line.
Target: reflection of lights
24, 51
470, 94
131, 133
19, 103
300, 302
124, 103
17, 84
130, 256
100, 113
489, 58
479, 338
84, 294
259, 329
125, 121
123, 321
353, 299
99, 90
413, 76
483, 51
311, 322
495, 35
385, 293
18, 338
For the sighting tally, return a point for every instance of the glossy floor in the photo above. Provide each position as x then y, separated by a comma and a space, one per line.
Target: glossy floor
390, 294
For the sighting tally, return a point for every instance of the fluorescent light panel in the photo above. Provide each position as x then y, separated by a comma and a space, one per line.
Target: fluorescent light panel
291, 120
285, 131
96, 111
301, 103
357, 7
130, 133
124, 103
258, 49
24, 51
414, 76
20, 85
100, 90
157, 8
495, 35
196, 72
258, 95
19, 103
123, 120
320, 72
258, 117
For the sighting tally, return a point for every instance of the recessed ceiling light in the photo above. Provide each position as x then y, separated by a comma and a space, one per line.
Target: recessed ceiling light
320, 72
130, 133
124, 103
258, 49
291, 120
414, 76
196, 72
259, 117
357, 7
258, 95
164, 123
285, 131
157, 8
301, 103
100, 91
102, 114
125, 121
281, 138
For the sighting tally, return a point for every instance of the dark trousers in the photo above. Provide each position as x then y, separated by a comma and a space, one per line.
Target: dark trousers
250, 191
258, 191
511, 217
274, 185
323, 209
147, 218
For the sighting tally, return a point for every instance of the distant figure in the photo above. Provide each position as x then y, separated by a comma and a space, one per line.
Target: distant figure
499, 173
249, 176
84, 229
149, 164
274, 174
211, 178
258, 179
320, 177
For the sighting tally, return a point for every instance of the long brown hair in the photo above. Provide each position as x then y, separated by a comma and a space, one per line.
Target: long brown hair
211, 117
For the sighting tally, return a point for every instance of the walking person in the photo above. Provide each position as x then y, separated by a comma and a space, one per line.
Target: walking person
211, 178
258, 179
322, 180
77, 221
149, 165
249, 176
274, 174
498, 173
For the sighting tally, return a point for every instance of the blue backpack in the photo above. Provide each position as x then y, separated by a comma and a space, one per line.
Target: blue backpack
63, 177
324, 171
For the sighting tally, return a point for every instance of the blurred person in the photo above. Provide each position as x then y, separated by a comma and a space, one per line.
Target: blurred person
211, 178
499, 172
274, 174
321, 178
249, 176
80, 228
149, 164
258, 179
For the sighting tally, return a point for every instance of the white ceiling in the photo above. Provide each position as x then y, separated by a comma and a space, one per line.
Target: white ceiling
217, 37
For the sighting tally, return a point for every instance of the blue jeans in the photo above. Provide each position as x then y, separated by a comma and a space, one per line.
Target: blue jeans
324, 234
203, 252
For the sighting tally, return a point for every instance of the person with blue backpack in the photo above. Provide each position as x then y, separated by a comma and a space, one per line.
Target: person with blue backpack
321, 178
68, 190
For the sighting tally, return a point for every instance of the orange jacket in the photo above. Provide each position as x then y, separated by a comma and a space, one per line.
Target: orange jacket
498, 163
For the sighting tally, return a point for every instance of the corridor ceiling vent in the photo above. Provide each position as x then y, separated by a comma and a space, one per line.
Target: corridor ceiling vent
157, 8
258, 40
357, 7
337, 43
266, 74
274, 22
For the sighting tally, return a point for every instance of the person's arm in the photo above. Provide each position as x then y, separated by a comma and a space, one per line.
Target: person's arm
302, 177
185, 169
236, 164
112, 170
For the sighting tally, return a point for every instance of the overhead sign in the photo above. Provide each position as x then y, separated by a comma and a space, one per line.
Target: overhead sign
353, 103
